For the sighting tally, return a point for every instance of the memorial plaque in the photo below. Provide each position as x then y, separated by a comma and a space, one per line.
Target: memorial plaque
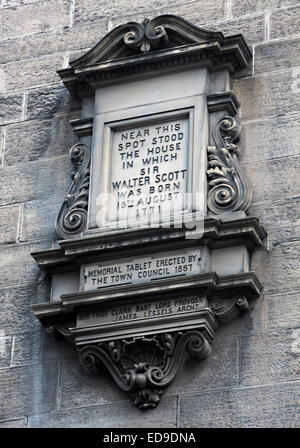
142, 269
141, 310
149, 175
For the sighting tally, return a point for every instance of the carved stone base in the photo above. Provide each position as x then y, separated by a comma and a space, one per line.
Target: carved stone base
145, 366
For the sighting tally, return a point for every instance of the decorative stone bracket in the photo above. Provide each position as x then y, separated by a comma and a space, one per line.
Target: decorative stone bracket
141, 300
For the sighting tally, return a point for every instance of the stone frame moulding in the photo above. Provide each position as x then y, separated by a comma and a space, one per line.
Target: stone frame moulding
145, 73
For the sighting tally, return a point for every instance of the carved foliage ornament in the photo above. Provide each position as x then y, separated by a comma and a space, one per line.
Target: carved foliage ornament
145, 366
146, 36
229, 189
72, 217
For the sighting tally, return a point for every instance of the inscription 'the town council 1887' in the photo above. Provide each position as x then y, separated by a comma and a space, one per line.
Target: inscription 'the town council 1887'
149, 169
141, 269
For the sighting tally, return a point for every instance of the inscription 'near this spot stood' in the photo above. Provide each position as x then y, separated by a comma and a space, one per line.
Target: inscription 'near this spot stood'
149, 174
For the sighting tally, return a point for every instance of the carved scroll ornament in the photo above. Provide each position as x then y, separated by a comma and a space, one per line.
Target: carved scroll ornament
72, 217
229, 189
145, 366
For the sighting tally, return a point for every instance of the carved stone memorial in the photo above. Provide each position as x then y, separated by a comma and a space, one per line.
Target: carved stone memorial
154, 246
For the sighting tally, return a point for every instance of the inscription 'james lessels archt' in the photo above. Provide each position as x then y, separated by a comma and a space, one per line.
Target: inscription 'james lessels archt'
149, 169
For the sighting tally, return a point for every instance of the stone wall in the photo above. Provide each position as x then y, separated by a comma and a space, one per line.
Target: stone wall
252, 377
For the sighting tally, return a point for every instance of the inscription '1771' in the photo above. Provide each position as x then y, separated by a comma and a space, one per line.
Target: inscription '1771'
149, 174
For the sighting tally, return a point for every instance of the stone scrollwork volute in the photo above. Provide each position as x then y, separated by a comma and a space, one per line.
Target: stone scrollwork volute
145, 36
229, 189
72, 217
145, 366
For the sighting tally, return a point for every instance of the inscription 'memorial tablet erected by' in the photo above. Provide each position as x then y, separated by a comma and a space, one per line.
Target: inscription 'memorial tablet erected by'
154, 246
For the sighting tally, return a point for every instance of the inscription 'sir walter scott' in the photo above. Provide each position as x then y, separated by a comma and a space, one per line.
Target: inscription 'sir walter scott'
141, 269
149, 170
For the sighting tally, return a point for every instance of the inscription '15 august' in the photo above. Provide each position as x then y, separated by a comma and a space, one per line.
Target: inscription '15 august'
149, 169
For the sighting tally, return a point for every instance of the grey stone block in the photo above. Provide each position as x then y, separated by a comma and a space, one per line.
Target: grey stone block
268, 95
252, 28
285, 22
79, 388
277, 56
282, 311
26, 348
47, 101
30, 73
54, 349
16, 313
242, 7
34, 18
270, 138
262, 407
11, 108
5, 350
26, 182
38, 218
196, 376
56, 41
18, 423
28, 390
197, 12
274, 179
280, 268
38, 139
280, 218
115, 415
2, 131
9, 220
269, 358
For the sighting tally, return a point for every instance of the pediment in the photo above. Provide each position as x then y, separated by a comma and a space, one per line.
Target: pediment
130, 39
154, 47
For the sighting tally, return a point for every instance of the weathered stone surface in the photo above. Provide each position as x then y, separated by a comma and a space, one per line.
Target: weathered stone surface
9, 221
11, 108
25, 182
242, 7
268, 358
115, 415
79, 388
28, 390
274, 179
285, 22
252, 28
26, 348
86, 10
48, 101
30, 73
38, 218
54, 349
38, 139
2, 131
280, 268
5, 350
280, 218
277, 56
16, 315
196, 375
18, 423
55, 41
34, 18
268, 95
262, 407
17, 266
282, 311
270, 138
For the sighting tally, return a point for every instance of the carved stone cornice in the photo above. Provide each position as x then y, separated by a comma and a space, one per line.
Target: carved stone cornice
164, 44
